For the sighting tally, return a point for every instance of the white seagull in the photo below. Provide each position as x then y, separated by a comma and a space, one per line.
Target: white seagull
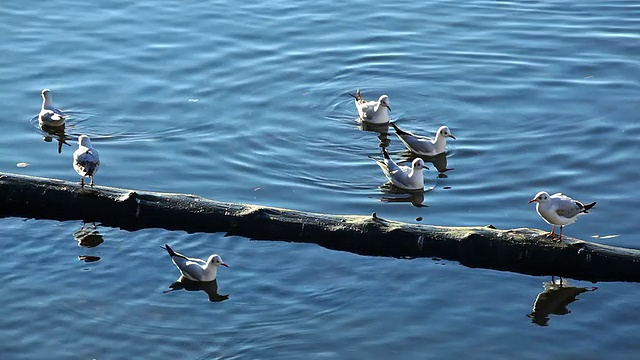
423, 145
86, 160
558, 209
196, 269
49, 115
374, 112
404, 177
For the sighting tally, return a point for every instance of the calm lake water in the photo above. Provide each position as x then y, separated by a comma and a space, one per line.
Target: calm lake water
248, 102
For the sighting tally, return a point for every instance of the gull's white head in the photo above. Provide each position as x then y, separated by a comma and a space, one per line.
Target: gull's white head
540, 197
418, 164
216, 260
384, 101
445, 132
46, 94
83, 140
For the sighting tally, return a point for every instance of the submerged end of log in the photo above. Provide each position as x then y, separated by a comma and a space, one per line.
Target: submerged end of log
523, 250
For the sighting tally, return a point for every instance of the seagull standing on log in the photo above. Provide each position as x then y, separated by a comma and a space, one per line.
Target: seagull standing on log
86, 160
559, 210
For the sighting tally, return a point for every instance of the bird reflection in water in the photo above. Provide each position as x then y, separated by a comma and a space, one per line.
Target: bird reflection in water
395, 194
439, 161
210, 287
554, 299
55, 132
88, 237
381, 129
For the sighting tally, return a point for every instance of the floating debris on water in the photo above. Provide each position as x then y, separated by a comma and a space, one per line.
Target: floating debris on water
22, 164
596, 236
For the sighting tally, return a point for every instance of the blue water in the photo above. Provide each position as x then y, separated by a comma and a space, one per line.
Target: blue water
248, 102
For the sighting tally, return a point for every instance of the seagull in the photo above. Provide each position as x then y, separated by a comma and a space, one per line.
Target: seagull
404, 177
423, 145
49, 115
86, 160
559, 209
196, 269
375, 112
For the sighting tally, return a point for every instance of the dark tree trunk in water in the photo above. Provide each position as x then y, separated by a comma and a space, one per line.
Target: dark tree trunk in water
524, 250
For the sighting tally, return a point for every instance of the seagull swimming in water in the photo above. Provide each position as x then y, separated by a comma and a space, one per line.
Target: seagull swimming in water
559, 209
404, 177
374, 112
86, 160
196, 269
423, 145
49, 115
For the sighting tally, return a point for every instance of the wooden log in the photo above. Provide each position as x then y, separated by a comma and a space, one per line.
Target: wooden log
522, 250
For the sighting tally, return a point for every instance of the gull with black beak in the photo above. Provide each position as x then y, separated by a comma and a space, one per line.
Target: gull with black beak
423, 145
404, 177
196, 269
374, 112
559, 210
49, 115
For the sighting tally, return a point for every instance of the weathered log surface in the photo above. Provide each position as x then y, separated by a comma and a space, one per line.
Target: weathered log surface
523, 250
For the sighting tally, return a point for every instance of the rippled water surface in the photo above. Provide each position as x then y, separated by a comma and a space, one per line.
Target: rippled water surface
248, 102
